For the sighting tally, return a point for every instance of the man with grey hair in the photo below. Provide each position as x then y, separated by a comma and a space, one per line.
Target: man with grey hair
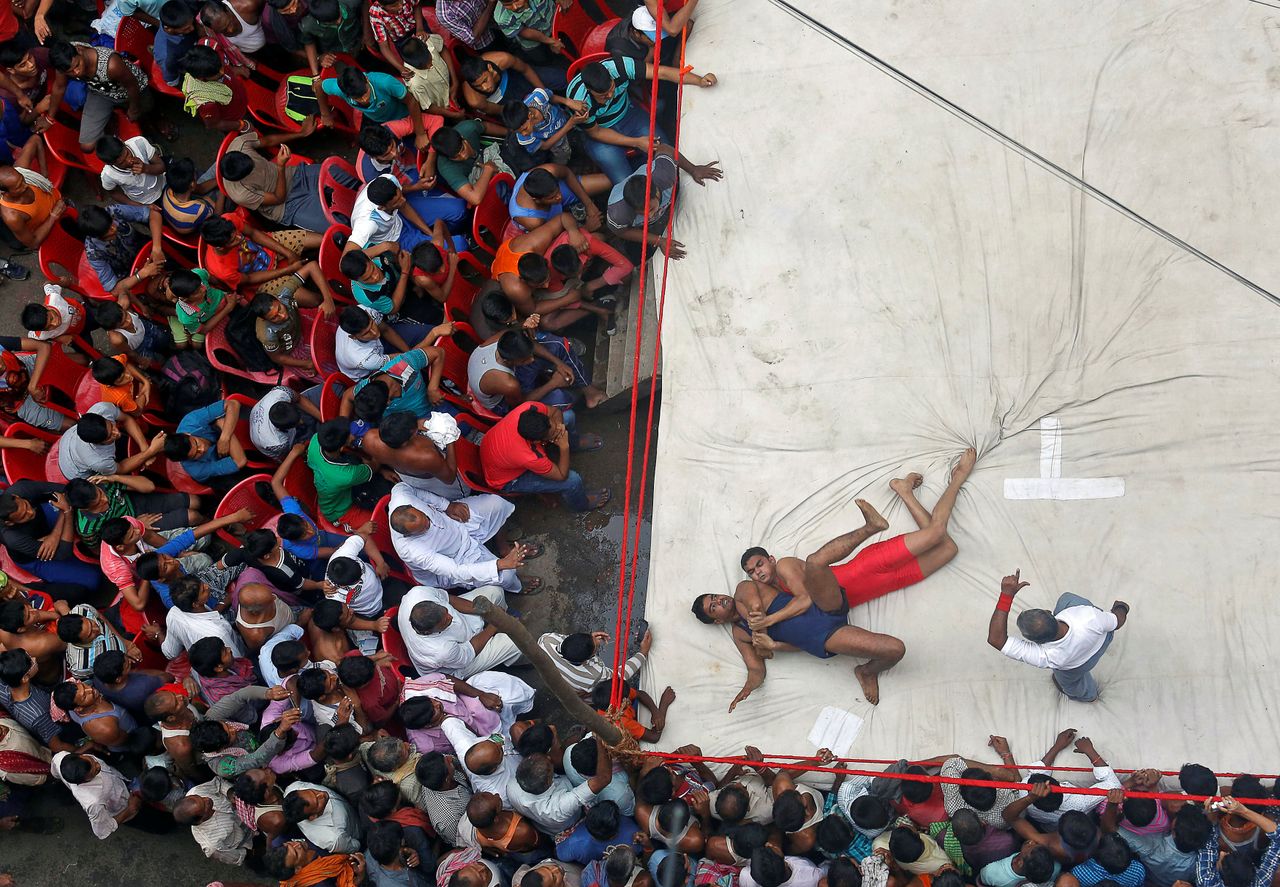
396, 761
442, 632
1070, 641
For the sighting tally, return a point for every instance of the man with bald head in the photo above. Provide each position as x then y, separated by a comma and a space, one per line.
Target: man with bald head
443, 543
209, 811
443, 633
30, 205
1069, 641
490, 764
260, 615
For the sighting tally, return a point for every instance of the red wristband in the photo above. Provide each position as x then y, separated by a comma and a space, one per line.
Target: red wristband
1004, 603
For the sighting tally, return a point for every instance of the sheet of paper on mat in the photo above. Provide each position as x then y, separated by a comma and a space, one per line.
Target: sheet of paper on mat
835, 729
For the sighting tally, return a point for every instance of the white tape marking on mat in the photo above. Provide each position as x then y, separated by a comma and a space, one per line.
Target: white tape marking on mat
835, 729
1051, 484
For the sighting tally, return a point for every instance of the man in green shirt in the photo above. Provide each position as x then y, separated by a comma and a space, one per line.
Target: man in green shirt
94, 503
461, 161
528, 23
342, 479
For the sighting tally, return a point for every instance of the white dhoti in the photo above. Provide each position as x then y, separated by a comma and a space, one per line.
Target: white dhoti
451, 553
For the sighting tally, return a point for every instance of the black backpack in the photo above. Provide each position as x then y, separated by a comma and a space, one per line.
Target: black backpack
188, 381
242, 336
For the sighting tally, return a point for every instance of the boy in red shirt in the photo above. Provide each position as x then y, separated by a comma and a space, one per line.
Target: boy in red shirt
528, 452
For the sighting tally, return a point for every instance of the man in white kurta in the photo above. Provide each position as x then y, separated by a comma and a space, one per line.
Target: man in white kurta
451, 553
451, 647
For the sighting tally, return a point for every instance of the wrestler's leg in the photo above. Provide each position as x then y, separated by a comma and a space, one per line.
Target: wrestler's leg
824, 590
884, 651
941, 554
935, 533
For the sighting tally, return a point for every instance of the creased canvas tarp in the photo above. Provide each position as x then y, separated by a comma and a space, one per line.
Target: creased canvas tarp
878, 283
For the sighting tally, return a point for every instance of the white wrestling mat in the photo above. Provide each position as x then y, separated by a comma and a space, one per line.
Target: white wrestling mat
1072, 270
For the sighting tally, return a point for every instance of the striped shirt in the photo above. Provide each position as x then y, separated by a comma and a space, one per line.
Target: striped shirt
80, 659
623, 71
32, 712
584, 678
445, 808
222, 837
1090, 873
459, 18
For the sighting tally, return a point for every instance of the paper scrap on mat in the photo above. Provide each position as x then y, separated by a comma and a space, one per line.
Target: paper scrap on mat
835, 729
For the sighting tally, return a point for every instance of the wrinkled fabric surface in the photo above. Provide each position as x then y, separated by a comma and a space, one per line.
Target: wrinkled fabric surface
878, 283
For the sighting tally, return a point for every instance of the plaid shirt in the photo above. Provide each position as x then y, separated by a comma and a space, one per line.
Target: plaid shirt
1207, 874
390, 27
459, 17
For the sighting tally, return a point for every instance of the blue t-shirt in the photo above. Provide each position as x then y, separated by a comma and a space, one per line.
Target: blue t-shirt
199, 423
409, 368
553, 117
582, 847
386, 97
173, 548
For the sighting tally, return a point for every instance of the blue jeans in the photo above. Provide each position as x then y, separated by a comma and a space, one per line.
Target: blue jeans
1077, 683
433, 205
572, 490
612, 159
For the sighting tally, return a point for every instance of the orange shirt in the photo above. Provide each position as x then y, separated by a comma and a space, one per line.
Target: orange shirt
122, 394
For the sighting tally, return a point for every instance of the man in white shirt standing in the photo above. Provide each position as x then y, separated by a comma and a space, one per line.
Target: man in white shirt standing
324, 818
134, 166
214, 823
99, 788
1070, 641
443, 633
443, 543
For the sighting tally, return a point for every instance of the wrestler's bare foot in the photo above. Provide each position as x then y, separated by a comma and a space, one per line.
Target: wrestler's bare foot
964, 467
875, 522
905, 485
870, 684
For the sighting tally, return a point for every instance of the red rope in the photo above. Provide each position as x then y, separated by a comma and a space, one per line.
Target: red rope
657, 340
949, 780
1053, 768
620, 640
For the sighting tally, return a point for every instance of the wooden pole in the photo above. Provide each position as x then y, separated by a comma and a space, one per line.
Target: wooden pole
569, 700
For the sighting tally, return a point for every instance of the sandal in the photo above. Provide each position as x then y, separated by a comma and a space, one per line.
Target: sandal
533, 550
599, 499
588, 442
531, 586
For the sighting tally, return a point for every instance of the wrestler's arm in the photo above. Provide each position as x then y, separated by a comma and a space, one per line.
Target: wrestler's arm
755, 665
798, 604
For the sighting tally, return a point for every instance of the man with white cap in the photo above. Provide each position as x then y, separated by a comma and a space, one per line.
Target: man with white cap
636, 34
627, 200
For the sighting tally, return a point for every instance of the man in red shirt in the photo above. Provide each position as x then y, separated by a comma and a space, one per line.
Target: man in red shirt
528, 452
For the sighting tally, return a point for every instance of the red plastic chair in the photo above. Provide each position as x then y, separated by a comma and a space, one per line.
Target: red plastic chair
16, 573
394, 644
135, 40
471, 469
181, 481
63, 375
57, 170
594, 41
583, 61
244, 495
457, 304
253, 458
571, 27
330, 398
382, 538
329, 258
491, 216
324, 351
337, 199
179, 253
434, 26
51, 470
224, 358
300, 484
88, 392
21, 464
63, 139
62, 255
